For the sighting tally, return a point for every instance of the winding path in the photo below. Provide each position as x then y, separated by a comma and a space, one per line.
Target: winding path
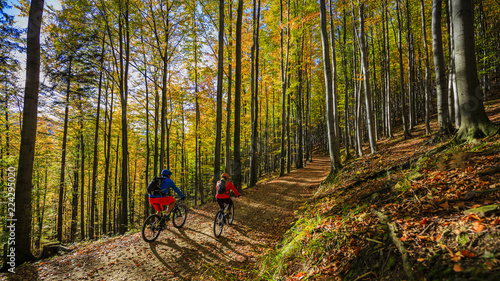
262, 215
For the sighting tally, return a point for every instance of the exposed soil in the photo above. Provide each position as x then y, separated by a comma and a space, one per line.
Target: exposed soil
262, 215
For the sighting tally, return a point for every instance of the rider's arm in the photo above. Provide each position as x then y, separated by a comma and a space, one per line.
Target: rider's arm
231, 186
177, 190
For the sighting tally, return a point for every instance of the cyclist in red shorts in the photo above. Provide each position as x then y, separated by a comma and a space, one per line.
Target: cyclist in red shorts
223, 197
159, 200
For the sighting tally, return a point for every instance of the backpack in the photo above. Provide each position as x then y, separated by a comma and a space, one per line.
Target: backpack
154, 186
221, 187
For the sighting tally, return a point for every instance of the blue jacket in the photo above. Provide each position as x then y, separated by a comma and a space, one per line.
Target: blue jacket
165, 187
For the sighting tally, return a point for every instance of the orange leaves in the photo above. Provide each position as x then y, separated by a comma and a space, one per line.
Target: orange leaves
495, 222
404, 238
457, 256
300, 275
356, 250
457, 268
477, 226
468, 254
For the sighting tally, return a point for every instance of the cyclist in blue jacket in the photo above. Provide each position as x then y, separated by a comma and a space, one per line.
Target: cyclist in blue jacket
164, 199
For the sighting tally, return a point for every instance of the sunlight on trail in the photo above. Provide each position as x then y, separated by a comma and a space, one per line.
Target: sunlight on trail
262, 215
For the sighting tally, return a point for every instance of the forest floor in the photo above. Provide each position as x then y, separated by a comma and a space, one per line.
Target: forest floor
262, 215
411, 209
416, 210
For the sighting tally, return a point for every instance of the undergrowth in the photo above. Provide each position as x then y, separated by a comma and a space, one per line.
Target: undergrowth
339, 235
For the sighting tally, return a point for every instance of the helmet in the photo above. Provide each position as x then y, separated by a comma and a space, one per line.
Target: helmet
166, 173
225, 175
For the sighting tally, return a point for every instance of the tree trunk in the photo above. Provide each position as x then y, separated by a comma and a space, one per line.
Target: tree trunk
427, 85
96, 141
123, 226
107, 156
346, 89
254, 93
63, 157
299, 107
406, 133
474, 121
228, 168
388, 110
148, 149
220, 82
284, 70
237, 101
453, 107
74, 203
437, 45
366, 80
333, 145
28, 138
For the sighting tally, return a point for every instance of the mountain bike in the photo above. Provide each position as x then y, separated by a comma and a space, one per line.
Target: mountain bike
154, 224
225, 215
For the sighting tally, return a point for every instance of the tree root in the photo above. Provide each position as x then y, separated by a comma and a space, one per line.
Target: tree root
399, 245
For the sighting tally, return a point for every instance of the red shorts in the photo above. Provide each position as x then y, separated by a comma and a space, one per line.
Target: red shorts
160, 201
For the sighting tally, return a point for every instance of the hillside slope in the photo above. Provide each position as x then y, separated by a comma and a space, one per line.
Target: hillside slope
410, 211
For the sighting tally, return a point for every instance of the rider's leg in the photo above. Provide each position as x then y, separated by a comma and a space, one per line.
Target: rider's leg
221, 203
230, 204
170, 207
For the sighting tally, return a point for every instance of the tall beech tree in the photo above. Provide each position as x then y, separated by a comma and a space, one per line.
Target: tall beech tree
402, 93
474, 121
427, 82
24, 175
254, 93
220, 83
366, 80
237, 177
439, 67
333, 142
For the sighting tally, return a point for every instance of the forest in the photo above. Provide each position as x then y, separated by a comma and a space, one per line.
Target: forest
127, 88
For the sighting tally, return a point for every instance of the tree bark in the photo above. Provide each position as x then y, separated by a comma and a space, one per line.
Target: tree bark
474, 121
333, 145
284, 71
437, 45
406, 133
254, 94
237, 100
220, 73
123, 226
96, 141
366, 80
28, 138
427, 85
63, 157
228, 168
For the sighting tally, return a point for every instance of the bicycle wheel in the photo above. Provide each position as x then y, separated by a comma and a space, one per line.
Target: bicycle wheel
230, 215
151, 228
218, 223
179, 215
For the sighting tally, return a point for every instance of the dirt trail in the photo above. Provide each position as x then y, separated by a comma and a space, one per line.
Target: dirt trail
262, 215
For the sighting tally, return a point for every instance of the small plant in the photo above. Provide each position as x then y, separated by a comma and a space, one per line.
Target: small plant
463, 239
